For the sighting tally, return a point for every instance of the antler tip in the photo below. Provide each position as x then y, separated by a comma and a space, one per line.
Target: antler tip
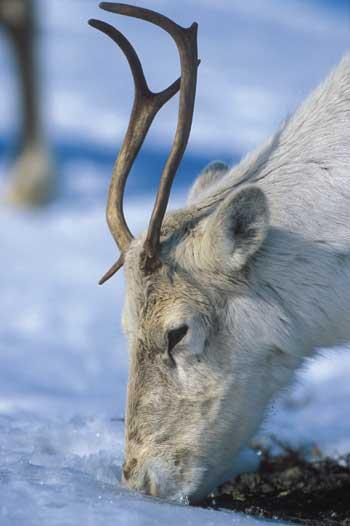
113, 270
106, 277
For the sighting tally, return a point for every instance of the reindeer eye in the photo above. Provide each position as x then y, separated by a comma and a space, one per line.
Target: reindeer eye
175, 336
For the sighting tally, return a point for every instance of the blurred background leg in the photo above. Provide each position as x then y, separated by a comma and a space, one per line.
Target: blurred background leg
31, 178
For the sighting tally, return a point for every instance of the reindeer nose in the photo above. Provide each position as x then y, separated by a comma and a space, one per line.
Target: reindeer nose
146, 484
150, 486
143, 481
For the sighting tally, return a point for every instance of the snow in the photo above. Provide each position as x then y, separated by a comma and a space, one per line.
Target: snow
63, 359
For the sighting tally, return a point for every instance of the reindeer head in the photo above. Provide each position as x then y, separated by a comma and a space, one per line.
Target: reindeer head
194, 373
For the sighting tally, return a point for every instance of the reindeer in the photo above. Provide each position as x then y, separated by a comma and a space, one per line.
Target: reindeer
32, 178
226, 297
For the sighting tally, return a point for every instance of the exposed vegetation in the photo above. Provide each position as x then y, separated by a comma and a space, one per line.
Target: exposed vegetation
290, 486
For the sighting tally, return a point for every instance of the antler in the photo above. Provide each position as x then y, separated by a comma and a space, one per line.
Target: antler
146, 106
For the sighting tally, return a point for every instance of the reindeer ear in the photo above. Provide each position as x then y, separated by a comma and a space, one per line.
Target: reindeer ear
209, 176
236, 230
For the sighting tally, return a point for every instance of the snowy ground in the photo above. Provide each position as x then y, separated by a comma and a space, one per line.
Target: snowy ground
63, 360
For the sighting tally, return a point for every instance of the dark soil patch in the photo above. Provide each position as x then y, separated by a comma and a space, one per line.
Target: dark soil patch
293, 488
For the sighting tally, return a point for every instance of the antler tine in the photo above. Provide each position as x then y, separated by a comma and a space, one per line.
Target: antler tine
146, 106
114, 268
128, 50
186, 41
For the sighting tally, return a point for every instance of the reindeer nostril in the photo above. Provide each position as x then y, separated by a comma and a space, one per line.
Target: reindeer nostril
128, 468
147, 484
150, 487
